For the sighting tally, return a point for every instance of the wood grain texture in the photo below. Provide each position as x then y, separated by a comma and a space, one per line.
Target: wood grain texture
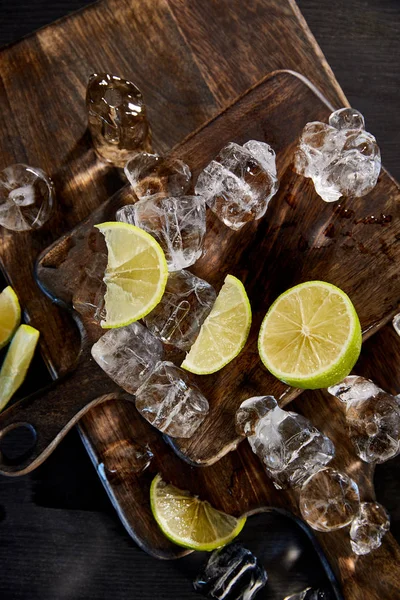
298, 235
46, 74
68, 65
237, 483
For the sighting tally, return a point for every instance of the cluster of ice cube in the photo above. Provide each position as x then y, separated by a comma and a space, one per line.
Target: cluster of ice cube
239, 183
165, 397
295, 453
372, 416
289, 446
341, 158
237, 186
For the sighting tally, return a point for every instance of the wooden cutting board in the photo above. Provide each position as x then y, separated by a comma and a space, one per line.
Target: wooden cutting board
191, 60
290, 234
301, 238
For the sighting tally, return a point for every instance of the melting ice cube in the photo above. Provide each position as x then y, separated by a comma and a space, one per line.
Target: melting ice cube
341, 158
239, 184
373, 418
186, 303
177, 223
151, 174
231, 573
26, 197
289, 446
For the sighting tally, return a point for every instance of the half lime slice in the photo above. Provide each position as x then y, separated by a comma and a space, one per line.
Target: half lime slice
136, 273
190, 522
224, 332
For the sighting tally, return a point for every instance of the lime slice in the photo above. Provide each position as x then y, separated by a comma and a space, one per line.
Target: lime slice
190, 522
224, 332
10, 315
311, 336
136, 273
17, 361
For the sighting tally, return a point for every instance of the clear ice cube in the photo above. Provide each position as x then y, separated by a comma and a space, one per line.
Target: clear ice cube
124, 457
126, 214
117, 118
88, 299
347, 118
289, 446
239, 184
178, 224
341, 158
329, 500
170, 402
231, 573
26, 197
372, 416
128, 355
186, 303
369, 527
151, 174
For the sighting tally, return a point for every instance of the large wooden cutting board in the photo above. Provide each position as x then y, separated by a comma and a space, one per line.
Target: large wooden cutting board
243, 488
301, 238
191, 59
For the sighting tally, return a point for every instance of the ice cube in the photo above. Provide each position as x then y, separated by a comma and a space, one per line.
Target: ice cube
372, 416
117, 118
126, 214
239, 184
178, 224
169, 401
123, 458
369, 527
341, 158
231, 573
151, 174
88, 299
128, 355
289, 446
186, 303
347, 118
26, 197
329, 500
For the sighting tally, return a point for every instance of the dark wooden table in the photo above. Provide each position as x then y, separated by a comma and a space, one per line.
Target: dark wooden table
61, 538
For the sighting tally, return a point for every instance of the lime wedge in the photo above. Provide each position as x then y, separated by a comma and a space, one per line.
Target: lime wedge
17, 361
224, 332
10, 315
136, 273
311, 336
190, 522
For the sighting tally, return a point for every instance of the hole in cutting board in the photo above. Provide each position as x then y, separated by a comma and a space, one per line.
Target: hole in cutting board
17, 442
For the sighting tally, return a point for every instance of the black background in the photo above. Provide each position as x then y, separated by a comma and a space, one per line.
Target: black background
59, 537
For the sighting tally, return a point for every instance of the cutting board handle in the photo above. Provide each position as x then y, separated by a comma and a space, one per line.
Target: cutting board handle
47, 415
